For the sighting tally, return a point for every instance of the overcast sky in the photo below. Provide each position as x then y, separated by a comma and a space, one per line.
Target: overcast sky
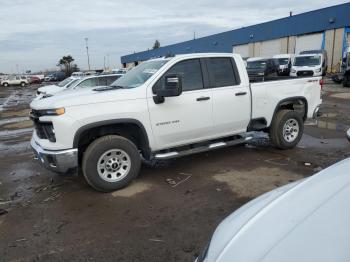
34, 34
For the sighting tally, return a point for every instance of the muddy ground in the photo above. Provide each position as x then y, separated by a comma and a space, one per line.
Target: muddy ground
167, 214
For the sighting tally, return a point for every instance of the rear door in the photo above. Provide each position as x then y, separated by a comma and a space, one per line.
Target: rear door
186, 118
231, 98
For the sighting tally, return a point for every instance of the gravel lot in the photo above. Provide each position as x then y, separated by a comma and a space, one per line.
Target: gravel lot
168, 213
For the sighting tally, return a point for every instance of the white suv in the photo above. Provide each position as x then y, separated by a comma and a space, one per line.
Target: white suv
15, 80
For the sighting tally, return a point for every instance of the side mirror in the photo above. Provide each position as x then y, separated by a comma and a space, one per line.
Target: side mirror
171, 87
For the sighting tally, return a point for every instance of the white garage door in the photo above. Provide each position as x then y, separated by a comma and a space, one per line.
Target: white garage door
243, 50
308, 42
270, 48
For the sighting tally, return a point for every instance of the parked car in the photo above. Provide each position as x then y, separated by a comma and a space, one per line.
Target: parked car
310, 63
259, 68
284, 63
66, 83
77, 74
304, 221
119, 71
346, 68
34, 80
77, 83
15, 81
55, 77
166, 108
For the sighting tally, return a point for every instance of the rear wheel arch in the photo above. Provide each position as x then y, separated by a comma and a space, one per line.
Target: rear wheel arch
130, 129
298, 104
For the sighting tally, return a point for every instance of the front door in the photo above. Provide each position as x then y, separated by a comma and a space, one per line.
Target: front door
186, 118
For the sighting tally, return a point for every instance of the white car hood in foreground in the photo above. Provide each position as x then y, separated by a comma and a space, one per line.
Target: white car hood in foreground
304, 222
50, 89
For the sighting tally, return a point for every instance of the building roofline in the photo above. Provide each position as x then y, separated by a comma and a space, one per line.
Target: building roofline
243, 31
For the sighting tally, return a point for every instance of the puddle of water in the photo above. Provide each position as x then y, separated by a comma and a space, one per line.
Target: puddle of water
17, 98
308, 141
332, 126
257, 181
13, 120
13, 133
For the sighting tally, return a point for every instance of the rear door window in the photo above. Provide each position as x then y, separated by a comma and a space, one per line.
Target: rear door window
221, 72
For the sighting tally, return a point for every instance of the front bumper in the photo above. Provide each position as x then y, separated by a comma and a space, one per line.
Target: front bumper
58, 161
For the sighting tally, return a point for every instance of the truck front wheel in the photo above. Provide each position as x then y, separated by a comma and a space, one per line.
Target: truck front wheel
110, 163
286, 129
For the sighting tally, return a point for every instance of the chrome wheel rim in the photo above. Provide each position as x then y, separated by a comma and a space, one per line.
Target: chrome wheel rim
290, 130
114, 165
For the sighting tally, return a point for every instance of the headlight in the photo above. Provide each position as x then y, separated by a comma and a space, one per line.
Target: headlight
318, 70
294, 71
47, 112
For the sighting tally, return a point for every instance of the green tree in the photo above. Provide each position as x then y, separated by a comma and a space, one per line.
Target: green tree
156, 44
66, 65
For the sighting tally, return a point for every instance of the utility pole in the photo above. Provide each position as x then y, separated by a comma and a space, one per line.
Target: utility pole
108, 65
87, 51
104, 63
194, 35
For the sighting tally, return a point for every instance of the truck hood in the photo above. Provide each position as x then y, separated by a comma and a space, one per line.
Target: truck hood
76, 97
50, 89
303, 221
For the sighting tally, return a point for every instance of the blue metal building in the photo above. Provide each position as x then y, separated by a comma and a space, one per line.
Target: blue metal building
327, 28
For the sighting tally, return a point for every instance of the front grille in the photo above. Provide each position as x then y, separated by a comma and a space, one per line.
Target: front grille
305, 73
44, 130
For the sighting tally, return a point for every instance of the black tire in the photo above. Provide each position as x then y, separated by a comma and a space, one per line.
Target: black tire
100, 147
277, 133
5, 84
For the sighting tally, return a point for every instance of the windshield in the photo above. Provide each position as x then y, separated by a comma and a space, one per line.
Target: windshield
282, 61
307, 60
71, 84
256, 64
140, 74
64, 82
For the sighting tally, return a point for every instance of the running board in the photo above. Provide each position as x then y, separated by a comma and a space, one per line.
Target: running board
200, 149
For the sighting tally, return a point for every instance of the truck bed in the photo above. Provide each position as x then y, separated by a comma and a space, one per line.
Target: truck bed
266, 95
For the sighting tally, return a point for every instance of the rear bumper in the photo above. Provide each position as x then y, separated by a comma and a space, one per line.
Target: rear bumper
58, 161
317, 113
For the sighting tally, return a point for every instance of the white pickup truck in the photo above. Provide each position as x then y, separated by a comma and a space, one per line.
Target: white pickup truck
166, 108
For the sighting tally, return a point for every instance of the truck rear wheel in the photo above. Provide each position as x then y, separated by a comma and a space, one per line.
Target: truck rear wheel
286, 129
110, 163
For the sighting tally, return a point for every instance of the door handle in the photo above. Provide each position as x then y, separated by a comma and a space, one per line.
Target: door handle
241, 93
203, 98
